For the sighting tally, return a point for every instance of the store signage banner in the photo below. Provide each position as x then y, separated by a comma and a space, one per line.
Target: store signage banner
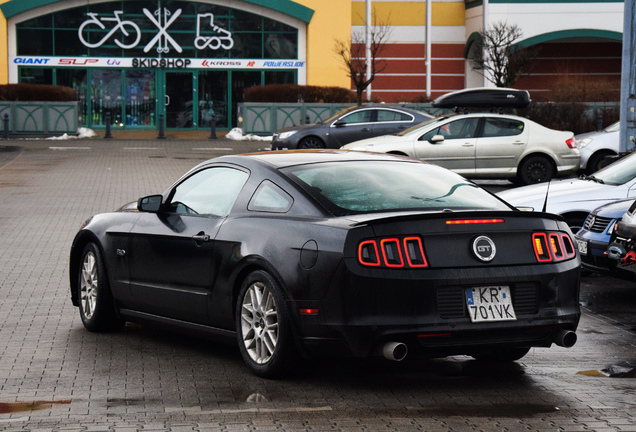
155, 63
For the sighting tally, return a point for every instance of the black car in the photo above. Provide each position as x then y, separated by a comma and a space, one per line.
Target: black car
348, 125
306, 253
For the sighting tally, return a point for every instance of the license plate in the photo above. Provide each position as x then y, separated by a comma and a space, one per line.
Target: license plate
582, 246
492, 303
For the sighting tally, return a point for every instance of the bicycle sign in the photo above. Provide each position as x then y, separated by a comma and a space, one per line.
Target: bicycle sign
121, 25
162, 18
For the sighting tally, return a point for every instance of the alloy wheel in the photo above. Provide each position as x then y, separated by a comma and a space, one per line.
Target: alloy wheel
89, 285
259, 323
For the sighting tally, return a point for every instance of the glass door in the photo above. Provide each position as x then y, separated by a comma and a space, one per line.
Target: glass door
178, 100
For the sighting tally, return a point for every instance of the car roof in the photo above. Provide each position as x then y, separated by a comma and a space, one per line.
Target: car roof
286, 158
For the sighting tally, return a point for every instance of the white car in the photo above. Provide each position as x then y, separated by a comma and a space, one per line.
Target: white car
595, 146
575, 198
484, 145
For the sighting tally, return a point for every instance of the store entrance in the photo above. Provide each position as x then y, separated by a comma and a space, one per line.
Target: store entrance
178, 99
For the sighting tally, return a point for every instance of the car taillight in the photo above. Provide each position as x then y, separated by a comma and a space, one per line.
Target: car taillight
552, 247
393, 252
571, 143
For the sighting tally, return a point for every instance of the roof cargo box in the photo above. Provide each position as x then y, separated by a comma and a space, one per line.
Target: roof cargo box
493, 97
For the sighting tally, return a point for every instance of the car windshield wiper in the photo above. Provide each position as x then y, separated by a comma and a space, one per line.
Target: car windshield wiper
594, 179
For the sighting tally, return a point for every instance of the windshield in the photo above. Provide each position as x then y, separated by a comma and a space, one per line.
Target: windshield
354, 187
619, 172
416, 128
613, 127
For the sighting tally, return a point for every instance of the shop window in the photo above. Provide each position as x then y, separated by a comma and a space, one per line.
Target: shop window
280, 77
35, 42
106, 96
213, 99
36, 75
75, 79
140, 98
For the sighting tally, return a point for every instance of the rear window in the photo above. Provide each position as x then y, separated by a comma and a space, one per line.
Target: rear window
375, 186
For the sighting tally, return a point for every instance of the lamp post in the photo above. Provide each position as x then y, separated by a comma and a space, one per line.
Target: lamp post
628, 81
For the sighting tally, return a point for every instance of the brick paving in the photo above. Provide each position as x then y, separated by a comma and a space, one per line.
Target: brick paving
145, 379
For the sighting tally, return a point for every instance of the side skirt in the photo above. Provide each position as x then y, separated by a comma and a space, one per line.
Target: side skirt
200, 330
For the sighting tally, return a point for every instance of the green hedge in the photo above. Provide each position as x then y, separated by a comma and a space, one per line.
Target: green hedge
298, 93
36, 92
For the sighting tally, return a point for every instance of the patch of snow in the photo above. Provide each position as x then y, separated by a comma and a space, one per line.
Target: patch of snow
81, 133
236, 134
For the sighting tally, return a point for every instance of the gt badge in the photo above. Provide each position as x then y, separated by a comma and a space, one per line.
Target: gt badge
484, 248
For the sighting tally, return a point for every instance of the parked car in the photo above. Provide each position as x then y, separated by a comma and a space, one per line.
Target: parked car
484, 145
348, 125
596, 146
594, 237
573, 198
622, 248
301, 253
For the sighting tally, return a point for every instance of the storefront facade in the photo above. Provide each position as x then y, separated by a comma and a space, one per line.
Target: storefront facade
136, 60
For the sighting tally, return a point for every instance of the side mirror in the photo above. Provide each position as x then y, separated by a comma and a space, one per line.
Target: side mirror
436, 139
150, 204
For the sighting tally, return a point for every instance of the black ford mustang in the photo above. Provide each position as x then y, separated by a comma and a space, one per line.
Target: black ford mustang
294, 254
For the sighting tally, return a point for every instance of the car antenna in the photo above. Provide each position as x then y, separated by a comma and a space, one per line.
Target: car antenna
545, 203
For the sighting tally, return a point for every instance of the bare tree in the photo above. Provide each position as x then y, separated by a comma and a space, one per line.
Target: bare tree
352, 54
497, 58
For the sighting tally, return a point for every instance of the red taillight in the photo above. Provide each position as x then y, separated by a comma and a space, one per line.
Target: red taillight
571, 143
473, 221
393, 252
368, 253
549, 247
541, 250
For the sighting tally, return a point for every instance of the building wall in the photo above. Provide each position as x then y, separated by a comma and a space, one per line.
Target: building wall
4, 49
404, 78
329, 23
576, 41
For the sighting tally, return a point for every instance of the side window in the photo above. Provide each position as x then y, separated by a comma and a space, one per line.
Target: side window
210, 192
393, 116
270, 198
494, 127
458, 129
363, 116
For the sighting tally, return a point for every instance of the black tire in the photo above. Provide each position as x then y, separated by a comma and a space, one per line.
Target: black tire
96, 304
501, 355
597, 161
535, 169
263, 327
311, 142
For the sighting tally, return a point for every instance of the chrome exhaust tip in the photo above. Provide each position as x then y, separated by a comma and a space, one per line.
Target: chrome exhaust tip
395, 351
565, 338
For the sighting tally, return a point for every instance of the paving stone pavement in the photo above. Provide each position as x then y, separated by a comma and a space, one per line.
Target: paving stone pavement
55, 376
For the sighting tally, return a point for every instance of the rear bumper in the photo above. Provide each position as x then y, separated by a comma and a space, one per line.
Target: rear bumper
359, 314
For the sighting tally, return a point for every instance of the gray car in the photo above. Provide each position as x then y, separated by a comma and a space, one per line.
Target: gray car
348, 125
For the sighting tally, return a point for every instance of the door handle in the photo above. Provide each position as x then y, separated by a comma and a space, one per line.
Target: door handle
468, 144
365, 130
201, 237
518, 143
167, 100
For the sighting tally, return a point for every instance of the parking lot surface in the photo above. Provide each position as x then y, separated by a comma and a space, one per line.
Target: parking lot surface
55, 375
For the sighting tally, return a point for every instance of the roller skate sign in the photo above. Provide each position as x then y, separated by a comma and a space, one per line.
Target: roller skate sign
126, 34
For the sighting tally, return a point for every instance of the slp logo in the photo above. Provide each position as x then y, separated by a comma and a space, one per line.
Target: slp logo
76, 62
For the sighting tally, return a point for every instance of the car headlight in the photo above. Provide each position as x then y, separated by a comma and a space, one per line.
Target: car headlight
284, 135
582, 143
